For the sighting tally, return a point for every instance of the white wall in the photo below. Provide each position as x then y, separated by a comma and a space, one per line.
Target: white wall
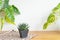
35, 13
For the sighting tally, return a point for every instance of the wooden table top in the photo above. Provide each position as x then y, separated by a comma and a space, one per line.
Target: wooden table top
47, 35
44, 35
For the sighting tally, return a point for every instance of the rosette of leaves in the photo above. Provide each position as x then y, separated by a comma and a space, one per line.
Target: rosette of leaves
52, 16
7, 13
23, 26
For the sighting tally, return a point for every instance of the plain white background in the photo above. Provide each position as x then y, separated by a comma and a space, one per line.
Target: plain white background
34, 13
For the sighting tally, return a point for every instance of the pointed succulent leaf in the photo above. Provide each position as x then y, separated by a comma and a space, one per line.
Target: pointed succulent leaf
15, 9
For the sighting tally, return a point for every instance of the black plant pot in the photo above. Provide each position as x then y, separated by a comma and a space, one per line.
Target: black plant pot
23, 34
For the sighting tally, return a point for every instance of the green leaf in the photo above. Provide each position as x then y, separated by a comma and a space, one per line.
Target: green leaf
9, 20
9, 14
2, 13
2, 23
45, 25
10, 8
56, 8
1, 4
23, 26
6, 3
16, 11
51, 18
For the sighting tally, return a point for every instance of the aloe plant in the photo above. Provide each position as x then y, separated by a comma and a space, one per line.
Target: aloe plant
52, 16
23, 26
7, 13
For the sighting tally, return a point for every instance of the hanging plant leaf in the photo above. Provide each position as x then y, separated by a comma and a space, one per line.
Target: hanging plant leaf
15, 9
45, 25
9, 15
2, 22
56, 8
7, 12
2, 14
51, 18
9, 20
1, 4
6, 3
11, 9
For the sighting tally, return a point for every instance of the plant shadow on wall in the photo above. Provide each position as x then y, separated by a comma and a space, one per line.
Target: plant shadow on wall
53, 16
7, 13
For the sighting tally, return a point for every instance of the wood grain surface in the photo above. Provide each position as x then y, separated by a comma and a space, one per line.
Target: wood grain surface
46, 35
43, 35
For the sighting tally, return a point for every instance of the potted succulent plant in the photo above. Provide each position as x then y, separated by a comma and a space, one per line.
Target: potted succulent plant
7, 13
52, 17
23, 30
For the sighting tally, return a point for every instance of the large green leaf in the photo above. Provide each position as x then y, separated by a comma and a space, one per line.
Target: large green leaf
2, 23
45, 25
2, 20
2, 13
56, 8
10, 8
9, 20
1, 4
51, 18
9, 14
15, 9
6, 3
